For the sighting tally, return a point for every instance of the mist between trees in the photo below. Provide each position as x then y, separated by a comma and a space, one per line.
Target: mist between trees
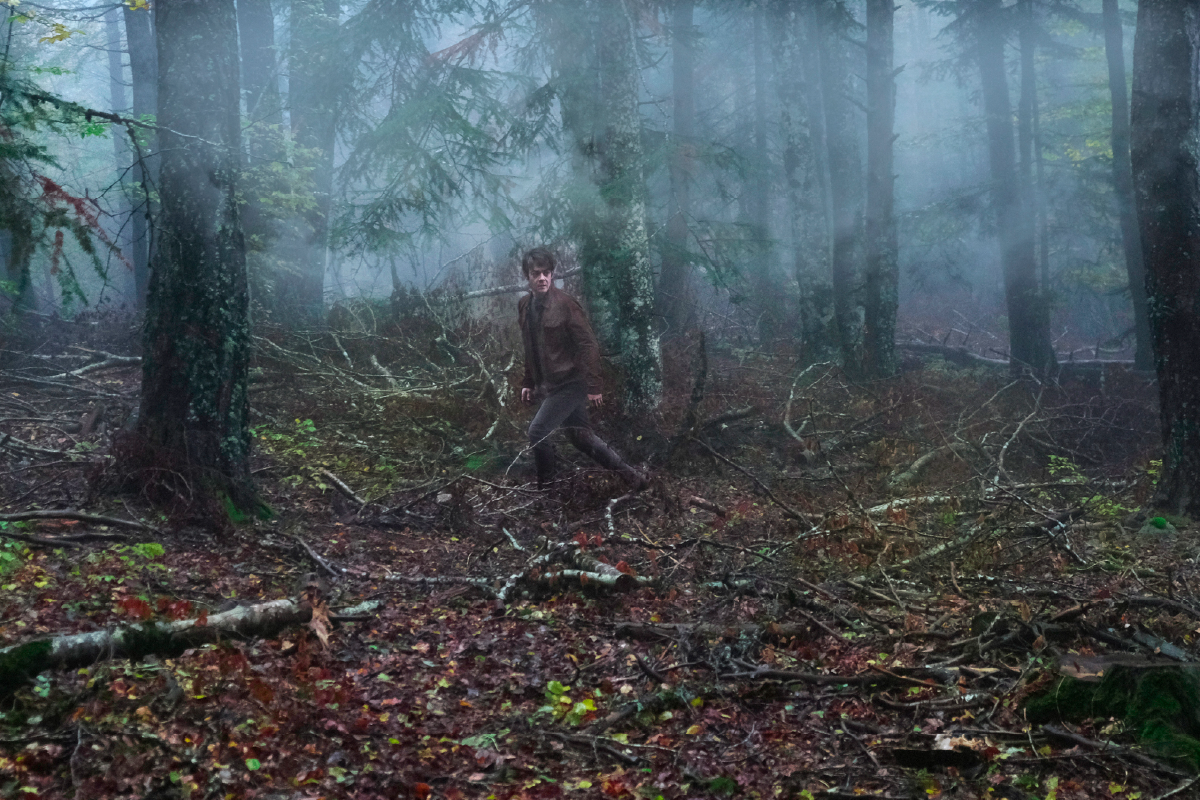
896, 314
830, 177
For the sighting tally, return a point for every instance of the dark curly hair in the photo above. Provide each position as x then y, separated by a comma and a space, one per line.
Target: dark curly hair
537, 257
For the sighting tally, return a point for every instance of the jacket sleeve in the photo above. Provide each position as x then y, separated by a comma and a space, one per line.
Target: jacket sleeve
587, 349
527, 381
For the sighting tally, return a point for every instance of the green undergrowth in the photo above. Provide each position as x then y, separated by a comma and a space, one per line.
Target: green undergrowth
1159, 706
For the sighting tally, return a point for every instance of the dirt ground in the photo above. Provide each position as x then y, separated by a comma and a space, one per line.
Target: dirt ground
830, 589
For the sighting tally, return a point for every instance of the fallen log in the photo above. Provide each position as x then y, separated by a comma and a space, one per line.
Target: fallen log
564, 564
607, 574
915, 470
22, 662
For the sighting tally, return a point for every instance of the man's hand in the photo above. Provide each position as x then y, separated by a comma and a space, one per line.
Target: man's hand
595, 400
526, 395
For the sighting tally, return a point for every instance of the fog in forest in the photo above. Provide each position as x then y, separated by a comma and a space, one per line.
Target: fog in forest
446, 150
876, 356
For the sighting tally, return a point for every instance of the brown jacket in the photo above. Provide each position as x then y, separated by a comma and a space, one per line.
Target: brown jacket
567, 344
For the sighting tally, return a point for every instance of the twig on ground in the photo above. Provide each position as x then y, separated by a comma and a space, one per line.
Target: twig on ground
315, 556
1055, 732
791, 512
342, 487
78, 516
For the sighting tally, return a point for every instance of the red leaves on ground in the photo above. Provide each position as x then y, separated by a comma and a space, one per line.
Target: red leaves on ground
135, 607
615, 787
174, 609
262, 692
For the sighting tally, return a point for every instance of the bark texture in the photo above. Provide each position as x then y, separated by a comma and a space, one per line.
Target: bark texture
598, 80
1166, 174
21, 663
1028, 313
881, 295
1131, 241
196, 341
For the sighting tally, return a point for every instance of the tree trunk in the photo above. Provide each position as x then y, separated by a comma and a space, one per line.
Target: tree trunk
1028, 314
312, 98
1123, 185
266, 149
802, 123
143, 68
260, 67
766, 289
882, 272
1026, 110
1166, 176
845, 184
674, 290
193, 416
119, 105
608, 208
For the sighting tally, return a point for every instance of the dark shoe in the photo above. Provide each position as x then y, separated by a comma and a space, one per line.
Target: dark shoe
598, 450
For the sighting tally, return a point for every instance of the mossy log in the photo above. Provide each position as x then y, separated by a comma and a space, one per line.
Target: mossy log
1159, 704
21, 663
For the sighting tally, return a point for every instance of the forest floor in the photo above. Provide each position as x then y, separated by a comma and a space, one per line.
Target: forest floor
938, 585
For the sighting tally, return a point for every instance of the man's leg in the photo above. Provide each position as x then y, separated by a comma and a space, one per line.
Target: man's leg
591, 445
560, 405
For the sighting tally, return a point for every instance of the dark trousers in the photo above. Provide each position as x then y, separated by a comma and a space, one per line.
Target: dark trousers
563, 405
566, 406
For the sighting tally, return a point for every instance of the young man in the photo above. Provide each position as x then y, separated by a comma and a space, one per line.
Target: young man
562, 369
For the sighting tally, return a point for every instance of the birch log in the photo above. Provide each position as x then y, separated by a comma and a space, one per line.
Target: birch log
22, 662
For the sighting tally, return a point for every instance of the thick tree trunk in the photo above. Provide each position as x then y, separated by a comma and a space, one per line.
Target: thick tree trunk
143, 68
194, 407
312, 99
882, 273
1123, 185
674, 284
600, 110
1028, 314
845, 185
1166, 176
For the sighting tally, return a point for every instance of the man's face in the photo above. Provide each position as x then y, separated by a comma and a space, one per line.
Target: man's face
540, 279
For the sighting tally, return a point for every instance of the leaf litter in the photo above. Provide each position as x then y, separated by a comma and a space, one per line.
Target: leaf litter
802, 605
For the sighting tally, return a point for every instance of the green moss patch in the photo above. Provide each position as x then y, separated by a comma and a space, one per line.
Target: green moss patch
1160, 706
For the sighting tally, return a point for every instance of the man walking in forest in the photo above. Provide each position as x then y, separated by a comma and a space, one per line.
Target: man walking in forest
562, 369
